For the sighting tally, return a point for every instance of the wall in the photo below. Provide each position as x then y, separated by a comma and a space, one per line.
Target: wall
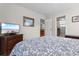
71, 28
14, 14
2, 11
49, 26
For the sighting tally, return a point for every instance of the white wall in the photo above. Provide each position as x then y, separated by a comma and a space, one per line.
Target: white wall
2, 11
71, 28
50, 26
14, 14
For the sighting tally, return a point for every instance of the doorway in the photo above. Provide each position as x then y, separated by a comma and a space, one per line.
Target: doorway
42, 27
61, 26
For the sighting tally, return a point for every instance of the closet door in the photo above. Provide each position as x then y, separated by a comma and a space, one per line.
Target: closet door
61, 26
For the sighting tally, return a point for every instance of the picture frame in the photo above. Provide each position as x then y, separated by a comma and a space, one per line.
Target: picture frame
28, 22
75, 18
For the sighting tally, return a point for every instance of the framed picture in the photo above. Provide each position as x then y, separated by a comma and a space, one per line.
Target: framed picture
28, 22
75, 19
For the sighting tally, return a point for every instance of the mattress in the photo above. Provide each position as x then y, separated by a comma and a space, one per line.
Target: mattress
47, 46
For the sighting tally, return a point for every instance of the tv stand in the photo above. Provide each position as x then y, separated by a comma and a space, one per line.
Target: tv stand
7, 42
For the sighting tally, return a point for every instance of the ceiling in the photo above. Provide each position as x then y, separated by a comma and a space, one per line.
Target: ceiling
48, 9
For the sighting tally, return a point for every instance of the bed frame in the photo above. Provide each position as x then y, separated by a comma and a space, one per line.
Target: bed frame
72, 36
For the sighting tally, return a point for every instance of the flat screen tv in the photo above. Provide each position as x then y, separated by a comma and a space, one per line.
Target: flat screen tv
9, 28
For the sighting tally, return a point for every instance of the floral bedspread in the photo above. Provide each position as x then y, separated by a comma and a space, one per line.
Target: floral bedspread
47, 46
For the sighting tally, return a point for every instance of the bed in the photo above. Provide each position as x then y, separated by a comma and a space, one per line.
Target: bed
47, 46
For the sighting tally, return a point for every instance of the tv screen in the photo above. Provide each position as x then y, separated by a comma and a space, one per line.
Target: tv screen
9, 28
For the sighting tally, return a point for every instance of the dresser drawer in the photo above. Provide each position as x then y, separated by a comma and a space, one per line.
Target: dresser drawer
12, 42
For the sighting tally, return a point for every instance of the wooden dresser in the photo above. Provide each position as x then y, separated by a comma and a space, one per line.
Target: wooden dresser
8, 42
